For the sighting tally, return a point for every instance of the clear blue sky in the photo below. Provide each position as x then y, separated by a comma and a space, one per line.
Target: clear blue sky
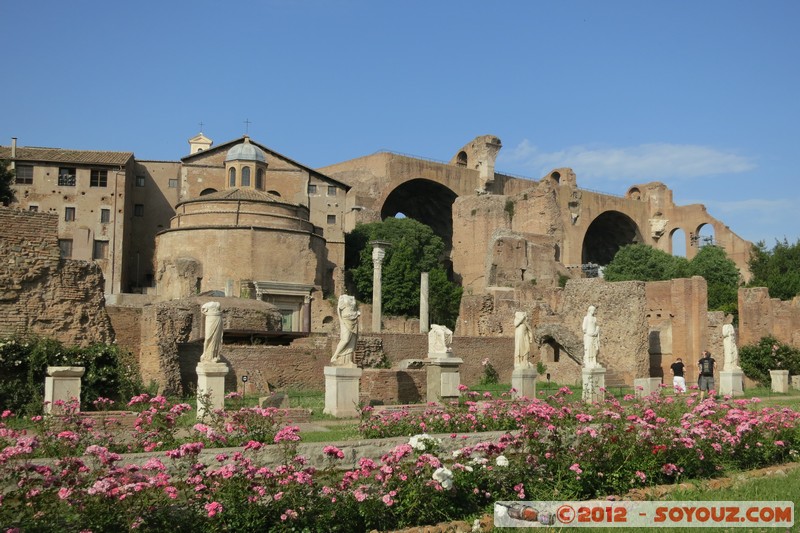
702, 95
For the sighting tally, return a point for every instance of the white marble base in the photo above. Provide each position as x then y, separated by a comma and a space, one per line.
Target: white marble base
211, 382
523, 381
342, 391
731, 383
444, 378
594, 379
644, 387
62, 383
780, 380
795, 382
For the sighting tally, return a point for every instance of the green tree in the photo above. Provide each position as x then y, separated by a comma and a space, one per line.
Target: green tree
777, 269
6, 180
721, 275
640, 262
414, 249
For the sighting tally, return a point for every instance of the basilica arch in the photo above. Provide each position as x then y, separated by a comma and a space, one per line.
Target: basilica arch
607, 233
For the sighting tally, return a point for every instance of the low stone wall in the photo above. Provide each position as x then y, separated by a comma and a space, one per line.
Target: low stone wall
383, 386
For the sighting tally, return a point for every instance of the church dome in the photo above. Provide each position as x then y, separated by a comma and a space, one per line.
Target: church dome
246, 152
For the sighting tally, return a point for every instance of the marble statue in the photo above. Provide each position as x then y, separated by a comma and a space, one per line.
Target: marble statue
439, 340
348, 332
522, 340
591, 338
213, 332
729, 349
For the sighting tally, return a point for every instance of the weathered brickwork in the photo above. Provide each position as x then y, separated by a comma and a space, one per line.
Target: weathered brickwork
762, 316
380, 386
42, 294
127, 324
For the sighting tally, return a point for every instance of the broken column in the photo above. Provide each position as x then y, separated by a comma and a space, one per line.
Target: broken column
378, 253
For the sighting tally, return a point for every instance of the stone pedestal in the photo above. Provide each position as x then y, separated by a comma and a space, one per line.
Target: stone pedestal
210, 387
62, 383
444, 377
780, 380
795, 382
646, 386
523, 381
341, 391
594, 379
731, 383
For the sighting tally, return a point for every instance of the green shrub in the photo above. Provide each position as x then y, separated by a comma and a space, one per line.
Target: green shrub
768, 354
109, 372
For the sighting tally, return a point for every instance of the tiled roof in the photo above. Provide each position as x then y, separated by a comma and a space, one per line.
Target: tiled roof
238, 194
61, 155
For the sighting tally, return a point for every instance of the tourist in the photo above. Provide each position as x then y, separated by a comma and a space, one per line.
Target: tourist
706, 379
678, 380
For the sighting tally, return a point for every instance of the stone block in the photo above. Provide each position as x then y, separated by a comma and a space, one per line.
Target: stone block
276, 399
780, 380
731, 383
342, 391
594, 383
646, 386
63, 383
211, 385
444, 378
795, 382
523, 381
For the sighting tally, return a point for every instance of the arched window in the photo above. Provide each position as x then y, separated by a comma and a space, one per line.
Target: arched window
232, 177
260, 179
461, 159
246, 177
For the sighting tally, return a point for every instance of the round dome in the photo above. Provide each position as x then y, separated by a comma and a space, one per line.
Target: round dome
246, 152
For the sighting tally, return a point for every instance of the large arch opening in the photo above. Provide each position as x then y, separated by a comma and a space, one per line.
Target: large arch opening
705, 235
425, 201
678, 242
606, 235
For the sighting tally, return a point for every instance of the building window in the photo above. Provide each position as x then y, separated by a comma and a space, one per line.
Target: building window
173, 183
140, 181
65, 245
105, 216
99, 178
24, 175
260, 179
33, 208
100, 250
246, 177
232, 177
312, 189
331, 219
331, 190
69, 214
138, 210
66, 176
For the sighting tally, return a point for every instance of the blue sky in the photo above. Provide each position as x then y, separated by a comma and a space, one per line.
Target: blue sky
704, 96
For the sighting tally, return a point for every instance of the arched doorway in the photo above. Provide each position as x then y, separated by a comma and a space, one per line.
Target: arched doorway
607, 233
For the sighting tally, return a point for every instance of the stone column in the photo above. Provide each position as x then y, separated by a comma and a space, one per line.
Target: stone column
211, 383
424, 320
307, 314
780, 380
62, 383
378, 253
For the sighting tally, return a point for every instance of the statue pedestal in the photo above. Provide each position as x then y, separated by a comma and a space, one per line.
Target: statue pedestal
444, 377
62, 383
594, 379
523, 381
780, 380
210, 387
341, 391
731, 382
795, 382
644, 387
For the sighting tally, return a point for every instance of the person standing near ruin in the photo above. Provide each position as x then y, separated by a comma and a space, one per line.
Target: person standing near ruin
678, 379
706, 378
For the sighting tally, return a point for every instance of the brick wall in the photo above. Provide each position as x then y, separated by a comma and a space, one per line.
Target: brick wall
126, 322
761, 316
41, 294
381, 386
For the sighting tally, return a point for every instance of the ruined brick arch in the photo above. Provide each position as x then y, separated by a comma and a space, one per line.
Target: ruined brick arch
607, 233
706, 233
569, 344
425, 201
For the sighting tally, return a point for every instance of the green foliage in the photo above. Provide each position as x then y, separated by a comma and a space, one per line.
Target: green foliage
509, 209
6, 180
644, 263
490, 374
414, 249
109, 372
641, 262
562, 280
777, 269
768, 354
